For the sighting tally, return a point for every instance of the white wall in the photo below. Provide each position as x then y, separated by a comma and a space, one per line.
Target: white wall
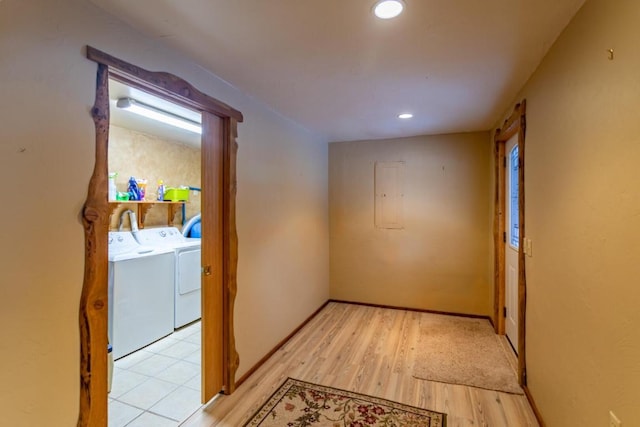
583, 215
441, 259
46, 158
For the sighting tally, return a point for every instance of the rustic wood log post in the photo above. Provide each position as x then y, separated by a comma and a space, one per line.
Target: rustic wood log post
94, 300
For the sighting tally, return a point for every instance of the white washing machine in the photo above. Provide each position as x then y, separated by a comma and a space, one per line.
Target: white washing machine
188, 265
140, 293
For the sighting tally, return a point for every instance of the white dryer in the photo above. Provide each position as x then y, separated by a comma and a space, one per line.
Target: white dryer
140, 293
188, 262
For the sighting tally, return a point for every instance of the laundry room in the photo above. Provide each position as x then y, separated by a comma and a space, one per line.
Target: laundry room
152, 152
154, 163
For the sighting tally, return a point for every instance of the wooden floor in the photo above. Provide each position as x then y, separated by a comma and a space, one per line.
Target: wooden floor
367, 350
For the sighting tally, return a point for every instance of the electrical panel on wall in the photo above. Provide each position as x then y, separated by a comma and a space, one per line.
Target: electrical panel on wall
389, 195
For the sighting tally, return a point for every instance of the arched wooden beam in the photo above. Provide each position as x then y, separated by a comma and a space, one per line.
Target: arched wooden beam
163, 84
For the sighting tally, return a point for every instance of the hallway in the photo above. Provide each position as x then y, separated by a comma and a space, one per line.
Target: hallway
367, 350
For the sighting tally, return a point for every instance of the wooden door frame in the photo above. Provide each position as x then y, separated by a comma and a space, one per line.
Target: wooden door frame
93, 315
514, 125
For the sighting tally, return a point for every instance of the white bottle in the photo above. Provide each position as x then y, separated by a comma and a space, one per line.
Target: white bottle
112, 186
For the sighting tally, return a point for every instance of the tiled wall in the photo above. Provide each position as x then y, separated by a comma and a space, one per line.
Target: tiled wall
141, 155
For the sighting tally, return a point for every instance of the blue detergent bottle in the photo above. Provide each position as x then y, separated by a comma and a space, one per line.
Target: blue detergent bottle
160, 190
134, 192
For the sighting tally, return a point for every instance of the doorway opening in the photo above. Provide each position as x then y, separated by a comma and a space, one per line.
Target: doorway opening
509, 256
218, 243
154, 300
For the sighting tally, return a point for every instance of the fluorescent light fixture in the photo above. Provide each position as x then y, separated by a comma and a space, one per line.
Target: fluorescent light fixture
159, 115
405, 116
387, 9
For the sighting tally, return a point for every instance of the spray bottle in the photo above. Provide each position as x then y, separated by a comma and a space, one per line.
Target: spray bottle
113, 191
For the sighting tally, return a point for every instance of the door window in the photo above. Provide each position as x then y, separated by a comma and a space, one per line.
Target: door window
514, 226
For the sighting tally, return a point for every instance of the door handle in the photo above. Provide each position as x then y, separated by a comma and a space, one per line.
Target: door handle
206, 270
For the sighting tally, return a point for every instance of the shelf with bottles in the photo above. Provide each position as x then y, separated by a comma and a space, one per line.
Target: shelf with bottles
141, 207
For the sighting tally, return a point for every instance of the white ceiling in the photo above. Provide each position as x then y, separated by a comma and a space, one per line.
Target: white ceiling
337, 70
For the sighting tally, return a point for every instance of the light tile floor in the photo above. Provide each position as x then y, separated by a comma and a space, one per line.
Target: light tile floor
158, 385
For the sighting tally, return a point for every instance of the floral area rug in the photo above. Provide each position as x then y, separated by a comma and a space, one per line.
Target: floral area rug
298, 404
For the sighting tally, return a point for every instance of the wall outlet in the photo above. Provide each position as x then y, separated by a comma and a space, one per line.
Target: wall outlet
613, 420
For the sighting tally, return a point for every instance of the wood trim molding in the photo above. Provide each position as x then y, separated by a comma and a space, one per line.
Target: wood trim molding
499, 228
279, 345
93, 315
163, 84
94, 299
230, 236
522, 264
515, 124
534, 407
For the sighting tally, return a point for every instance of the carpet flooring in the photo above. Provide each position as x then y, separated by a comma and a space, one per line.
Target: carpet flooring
460, 350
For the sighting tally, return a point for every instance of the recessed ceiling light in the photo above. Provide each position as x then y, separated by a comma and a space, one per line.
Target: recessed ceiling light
405, 116
387, 9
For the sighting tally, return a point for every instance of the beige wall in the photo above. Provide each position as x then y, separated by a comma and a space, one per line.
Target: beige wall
583, 216
141, 155
46, 159
441, 259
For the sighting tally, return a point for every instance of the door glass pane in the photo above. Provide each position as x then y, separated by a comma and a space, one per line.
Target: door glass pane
514, 227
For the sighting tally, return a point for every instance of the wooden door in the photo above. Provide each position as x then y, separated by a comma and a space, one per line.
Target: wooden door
212, 255
512, 241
